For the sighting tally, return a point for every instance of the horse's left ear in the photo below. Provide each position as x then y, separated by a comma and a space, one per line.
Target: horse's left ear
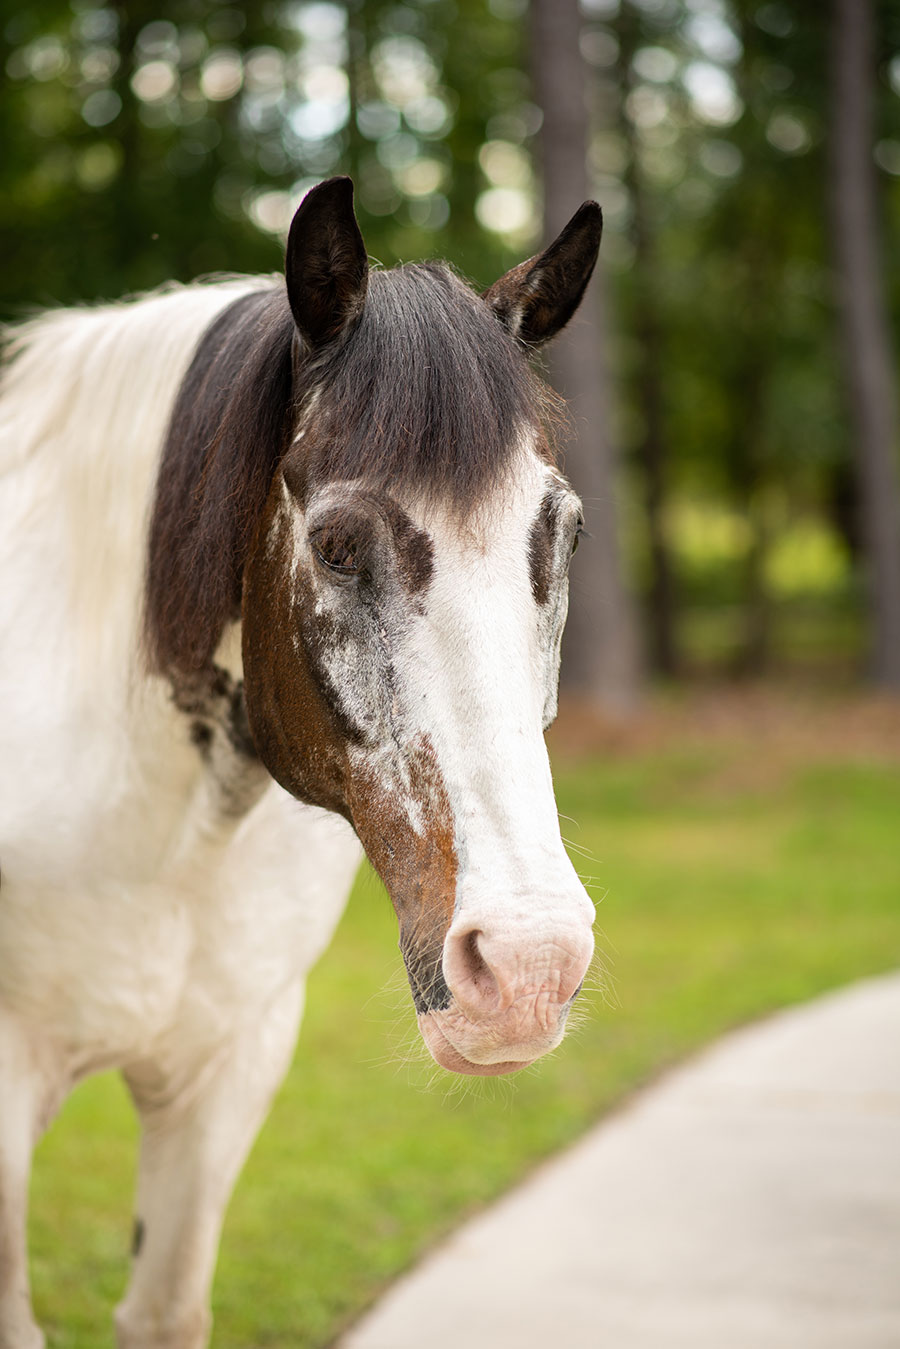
537, 298
326, 267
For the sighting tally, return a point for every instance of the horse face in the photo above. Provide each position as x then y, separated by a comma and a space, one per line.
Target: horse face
402, 615
400, 665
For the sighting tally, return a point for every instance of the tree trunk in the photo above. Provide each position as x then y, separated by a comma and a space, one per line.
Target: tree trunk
747, 459
600, 650
868, 356
652, 452
752, 656
652, 449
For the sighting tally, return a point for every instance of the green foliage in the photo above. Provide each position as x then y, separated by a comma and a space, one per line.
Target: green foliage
143, 143
730, 879
125, 172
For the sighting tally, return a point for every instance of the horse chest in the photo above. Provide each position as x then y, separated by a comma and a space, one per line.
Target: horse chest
110, 966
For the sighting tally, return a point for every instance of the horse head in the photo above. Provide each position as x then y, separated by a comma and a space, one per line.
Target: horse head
403, 595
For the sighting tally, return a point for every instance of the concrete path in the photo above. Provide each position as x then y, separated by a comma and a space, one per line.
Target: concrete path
750, 1200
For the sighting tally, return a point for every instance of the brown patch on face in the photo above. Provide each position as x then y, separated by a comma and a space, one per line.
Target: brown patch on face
348, 532
540, 549
415, 551
296, 732
419, 870
309, 745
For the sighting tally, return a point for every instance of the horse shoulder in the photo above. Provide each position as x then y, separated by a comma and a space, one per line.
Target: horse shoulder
106, 914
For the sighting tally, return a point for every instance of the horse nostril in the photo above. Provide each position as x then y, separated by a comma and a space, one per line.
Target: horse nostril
477, 967
488, 970
468, 974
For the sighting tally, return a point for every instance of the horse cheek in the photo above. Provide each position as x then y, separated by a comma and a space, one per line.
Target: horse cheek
290, 722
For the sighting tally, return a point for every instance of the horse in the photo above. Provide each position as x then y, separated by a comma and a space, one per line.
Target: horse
284, 577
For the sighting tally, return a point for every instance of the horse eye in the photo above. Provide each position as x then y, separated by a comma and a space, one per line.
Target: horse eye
337, 553
579, 530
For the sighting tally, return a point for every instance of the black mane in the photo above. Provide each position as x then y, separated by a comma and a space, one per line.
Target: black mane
230, 425
427, 390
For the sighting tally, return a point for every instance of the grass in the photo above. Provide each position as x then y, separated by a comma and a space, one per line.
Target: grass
731, 878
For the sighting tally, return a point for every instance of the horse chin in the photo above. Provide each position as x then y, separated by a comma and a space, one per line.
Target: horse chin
448, 1056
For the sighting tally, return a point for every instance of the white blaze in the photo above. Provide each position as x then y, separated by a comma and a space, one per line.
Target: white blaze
476, 673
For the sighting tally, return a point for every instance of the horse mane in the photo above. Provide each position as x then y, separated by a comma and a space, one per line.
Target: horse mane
426, 391
228, 430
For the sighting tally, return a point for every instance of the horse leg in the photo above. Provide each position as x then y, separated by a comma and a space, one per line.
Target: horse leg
197, 1132
28, 1093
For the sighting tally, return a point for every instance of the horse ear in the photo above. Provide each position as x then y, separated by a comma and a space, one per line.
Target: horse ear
537, 298
326, 267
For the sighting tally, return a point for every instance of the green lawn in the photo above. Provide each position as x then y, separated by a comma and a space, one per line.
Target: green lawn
728, 883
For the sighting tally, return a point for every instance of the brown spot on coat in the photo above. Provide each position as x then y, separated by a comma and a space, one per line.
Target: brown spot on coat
418, 870
415, 550
296, 732
302, 738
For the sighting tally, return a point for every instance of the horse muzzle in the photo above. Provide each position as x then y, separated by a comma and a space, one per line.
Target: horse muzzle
511, 987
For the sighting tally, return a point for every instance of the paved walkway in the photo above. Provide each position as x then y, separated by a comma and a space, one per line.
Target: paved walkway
750, 1200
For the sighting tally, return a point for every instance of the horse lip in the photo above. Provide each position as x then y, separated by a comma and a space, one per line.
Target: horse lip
448, 1056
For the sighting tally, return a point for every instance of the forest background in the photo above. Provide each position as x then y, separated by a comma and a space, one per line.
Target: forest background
722, 439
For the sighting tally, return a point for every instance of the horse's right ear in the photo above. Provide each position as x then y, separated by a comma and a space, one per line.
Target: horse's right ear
326, 267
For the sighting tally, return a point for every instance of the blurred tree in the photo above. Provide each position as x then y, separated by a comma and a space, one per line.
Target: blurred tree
437, 140
601, 660
143, 142
134, 146
760, 246
722, 110
647, 379
869, 360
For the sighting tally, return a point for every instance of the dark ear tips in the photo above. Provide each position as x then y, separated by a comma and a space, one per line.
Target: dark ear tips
536, 299
588, 211
326, 267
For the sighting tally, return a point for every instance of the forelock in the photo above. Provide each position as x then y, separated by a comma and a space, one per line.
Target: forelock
428, 393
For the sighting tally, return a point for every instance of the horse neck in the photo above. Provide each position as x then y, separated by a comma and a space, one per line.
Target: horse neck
87, 400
